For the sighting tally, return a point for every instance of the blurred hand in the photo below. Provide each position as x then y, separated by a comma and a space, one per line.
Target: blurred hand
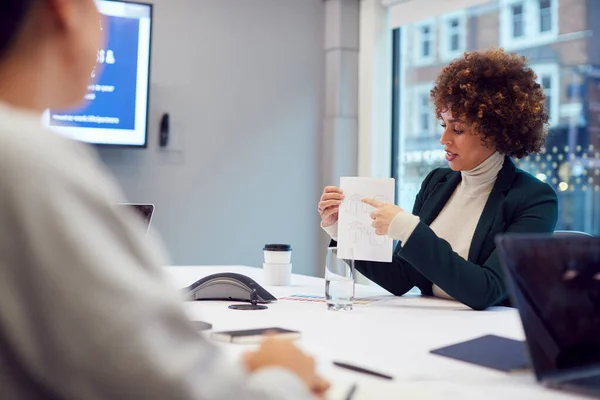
329, 205
283, 353
383, 215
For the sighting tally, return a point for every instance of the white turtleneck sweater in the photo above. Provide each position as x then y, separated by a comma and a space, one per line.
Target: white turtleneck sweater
458, 219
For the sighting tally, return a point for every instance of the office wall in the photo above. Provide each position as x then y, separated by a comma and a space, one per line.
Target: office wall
243, 82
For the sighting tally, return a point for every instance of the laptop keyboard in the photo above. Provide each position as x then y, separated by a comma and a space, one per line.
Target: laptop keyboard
591, 382
588, 386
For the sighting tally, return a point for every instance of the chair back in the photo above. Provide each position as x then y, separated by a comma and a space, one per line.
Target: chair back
570, 233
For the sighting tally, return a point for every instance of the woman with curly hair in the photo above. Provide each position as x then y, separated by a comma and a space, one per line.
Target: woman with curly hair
491, 109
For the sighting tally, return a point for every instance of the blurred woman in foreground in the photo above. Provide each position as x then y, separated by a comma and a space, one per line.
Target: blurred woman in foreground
86, 312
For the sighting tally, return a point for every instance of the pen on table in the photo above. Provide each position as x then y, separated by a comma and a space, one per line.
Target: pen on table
360, 369
350, 394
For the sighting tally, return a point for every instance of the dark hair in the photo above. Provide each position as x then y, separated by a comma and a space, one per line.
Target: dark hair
498, 96
12, 14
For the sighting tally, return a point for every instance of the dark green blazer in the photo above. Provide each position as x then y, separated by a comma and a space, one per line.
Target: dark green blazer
518, 203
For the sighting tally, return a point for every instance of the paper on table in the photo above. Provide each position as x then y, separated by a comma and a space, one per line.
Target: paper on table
356, 235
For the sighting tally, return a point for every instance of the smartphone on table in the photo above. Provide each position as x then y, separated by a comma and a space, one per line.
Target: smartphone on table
254, 335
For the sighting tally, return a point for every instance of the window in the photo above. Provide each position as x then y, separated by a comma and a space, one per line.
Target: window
422, 121
453, 35
545, 16
424, 113
548, 77
425, 42
547, 84
528, 23
570, 162
518, 23
422, 118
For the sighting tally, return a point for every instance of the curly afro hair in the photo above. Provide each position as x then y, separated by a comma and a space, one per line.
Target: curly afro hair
498, 97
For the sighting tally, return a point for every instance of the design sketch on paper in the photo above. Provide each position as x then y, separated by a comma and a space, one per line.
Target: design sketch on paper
359, 232
356, 232
355, 206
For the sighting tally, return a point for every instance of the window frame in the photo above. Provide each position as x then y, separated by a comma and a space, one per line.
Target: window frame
421, 60
512, 15
553, 71
446, 54
551, 14
418, 91
532, 36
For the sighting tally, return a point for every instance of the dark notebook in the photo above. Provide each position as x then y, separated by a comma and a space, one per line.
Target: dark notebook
490, 351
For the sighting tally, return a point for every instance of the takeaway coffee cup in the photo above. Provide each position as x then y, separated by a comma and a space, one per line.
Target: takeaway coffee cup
278, 253
277, 268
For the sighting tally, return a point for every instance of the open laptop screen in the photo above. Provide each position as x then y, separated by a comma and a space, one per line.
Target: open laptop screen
555, 283
145, 211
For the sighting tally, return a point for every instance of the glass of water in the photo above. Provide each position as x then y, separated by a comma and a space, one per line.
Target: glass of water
339, 280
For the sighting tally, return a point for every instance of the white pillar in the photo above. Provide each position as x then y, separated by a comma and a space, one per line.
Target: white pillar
375, 91
340, 124
339, 144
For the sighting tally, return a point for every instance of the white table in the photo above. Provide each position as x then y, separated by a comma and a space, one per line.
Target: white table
393, 335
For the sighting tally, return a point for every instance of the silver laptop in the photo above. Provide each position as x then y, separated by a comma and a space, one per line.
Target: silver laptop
554, 282
145, 211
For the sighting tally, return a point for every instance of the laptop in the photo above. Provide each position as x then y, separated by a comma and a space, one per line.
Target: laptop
554, 281
145, 211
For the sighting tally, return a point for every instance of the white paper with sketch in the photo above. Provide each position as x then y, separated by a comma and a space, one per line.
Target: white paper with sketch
355, 230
